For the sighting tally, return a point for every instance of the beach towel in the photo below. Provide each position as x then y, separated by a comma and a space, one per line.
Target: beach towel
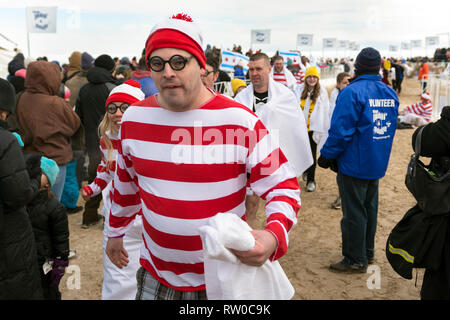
226, 277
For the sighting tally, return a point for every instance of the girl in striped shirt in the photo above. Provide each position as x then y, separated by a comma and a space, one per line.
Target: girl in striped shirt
117, 284
418, 114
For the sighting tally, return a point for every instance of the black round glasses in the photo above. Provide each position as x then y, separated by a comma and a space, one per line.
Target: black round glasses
176, 62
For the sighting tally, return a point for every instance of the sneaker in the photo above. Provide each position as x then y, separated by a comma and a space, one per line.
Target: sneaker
348, 268
311, 186
304, 176
336, 203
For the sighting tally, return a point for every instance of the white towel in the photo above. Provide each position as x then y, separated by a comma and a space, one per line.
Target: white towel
226, 277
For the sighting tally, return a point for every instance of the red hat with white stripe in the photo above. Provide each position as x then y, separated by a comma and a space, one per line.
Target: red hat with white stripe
129, 92
178, 32
426, 96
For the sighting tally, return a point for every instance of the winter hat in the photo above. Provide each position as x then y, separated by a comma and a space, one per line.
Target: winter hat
368, 60
7, 96
86, 61
14, 65
236, 84
129, 92
426, 96
50, 169
312, 71
106, 62
178, 32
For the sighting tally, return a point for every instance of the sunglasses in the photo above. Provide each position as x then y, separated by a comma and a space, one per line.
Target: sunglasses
176, 62
112, 108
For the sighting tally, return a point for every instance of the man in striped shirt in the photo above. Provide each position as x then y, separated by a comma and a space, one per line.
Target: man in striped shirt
184, 155
281, 74
417, 114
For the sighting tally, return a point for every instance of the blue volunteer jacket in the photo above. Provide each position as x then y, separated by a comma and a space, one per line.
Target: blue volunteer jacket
362, 128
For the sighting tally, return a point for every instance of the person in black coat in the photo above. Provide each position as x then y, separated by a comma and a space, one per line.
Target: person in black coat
19, 274
51, 231
90, 107
436, 144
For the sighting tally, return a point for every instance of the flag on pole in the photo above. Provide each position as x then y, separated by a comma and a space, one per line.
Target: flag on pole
260, 36
352, 45
304, 40
343, 44
405, 46
416, 43
230, 59
41, 19
329, 43
393, 48
432, 41
293, 56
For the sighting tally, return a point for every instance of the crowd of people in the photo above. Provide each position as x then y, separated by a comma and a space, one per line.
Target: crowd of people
148, 136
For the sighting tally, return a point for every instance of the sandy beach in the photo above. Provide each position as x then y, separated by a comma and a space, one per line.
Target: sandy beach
315, 241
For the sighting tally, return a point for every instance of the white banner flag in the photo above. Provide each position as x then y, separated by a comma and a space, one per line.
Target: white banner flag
416, 43
343, 44
405, 46
432, 41
41, 19
393, 48
329, 42
304, 40
260, 36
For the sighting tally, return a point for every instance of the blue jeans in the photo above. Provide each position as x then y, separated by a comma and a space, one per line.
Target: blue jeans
359, 201
58, 187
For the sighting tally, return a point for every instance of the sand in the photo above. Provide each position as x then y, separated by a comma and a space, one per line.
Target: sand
315, 241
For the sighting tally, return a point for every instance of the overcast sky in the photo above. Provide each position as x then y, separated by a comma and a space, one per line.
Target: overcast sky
120, 28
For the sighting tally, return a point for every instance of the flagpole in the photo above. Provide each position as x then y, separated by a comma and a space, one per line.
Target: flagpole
28, 44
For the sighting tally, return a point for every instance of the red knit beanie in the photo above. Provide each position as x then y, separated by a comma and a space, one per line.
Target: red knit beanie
129, 92
178, 32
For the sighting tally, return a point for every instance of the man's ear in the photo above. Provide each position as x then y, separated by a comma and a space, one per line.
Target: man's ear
216, 75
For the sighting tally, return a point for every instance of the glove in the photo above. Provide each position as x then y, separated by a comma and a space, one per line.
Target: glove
33, 162
59, 268
327, 163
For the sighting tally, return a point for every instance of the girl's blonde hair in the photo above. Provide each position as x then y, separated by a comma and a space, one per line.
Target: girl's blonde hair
315, 94
107, 125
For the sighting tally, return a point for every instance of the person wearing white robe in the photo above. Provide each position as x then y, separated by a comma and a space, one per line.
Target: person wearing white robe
280, 114
280, 68
314, 102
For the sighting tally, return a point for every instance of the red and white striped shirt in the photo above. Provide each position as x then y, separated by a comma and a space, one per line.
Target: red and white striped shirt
420, 109
280, 77
181, 168
106, 169
300, 76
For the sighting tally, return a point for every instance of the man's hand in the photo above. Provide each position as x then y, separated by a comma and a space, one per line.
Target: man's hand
327, 163
116, 252
265, 245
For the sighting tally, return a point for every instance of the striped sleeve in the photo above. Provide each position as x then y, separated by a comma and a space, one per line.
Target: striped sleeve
273, 179
103, 177
126, 200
